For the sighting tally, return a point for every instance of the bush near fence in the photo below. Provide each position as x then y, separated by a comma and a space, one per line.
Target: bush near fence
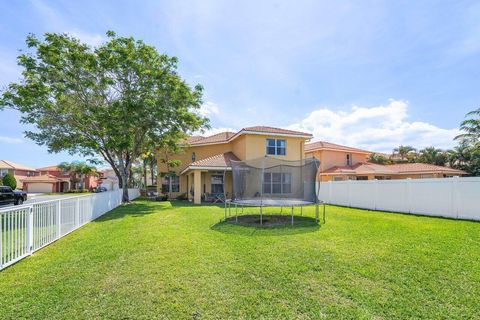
455, 197
28, 228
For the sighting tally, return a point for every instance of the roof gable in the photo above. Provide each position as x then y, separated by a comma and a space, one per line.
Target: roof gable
13, 165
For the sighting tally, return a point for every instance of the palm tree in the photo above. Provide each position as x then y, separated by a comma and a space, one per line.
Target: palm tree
77, 171
471, 128
403, 151
378, 159
432, 155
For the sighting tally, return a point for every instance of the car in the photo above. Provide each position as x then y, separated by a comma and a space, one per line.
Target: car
9, 196
101, 189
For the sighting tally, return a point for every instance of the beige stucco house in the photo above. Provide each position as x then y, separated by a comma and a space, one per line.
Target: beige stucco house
205, 159
339, 163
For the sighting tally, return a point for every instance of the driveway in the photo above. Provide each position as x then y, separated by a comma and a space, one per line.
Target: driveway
38, 197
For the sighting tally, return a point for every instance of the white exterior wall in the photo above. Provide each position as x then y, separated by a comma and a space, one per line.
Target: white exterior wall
455, 197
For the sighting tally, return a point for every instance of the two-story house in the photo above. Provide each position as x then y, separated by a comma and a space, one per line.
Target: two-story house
54, 179
19, 171
205, 161
339, 163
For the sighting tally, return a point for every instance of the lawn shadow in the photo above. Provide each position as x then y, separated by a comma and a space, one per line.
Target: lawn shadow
143, 206
272, 225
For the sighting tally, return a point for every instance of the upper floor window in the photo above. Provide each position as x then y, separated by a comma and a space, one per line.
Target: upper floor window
276, 147
349, 159
193, 156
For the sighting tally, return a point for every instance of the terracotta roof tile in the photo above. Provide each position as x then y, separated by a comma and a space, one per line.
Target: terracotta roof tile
361, 168
422, 167
49, 168
42, 178
218, 160
226, 136
14, 165
319, 145
216, 138
275, 130
392, 169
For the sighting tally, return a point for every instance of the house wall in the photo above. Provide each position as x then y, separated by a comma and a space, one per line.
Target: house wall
329, 158
256, 147
246, 146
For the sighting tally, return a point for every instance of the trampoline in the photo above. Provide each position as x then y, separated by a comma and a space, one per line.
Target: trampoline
272, 182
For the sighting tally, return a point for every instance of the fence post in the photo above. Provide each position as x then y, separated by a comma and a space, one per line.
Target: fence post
59, 219
375, 193
1, 237
349, 194
77, 212
30, 230
455, 196
408, 185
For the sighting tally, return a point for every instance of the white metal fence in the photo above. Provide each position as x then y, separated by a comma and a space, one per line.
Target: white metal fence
28, 228
455, 197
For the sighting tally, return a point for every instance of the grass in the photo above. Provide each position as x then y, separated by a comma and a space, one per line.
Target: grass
175, 261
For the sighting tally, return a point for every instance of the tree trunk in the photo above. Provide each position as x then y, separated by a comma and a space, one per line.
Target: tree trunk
130, 178
145, 175
123, 177
152, 169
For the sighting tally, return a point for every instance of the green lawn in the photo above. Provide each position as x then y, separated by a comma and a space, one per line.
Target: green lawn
161, 260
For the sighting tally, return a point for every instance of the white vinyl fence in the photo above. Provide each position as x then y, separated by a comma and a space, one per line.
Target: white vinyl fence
455, 197
28, 228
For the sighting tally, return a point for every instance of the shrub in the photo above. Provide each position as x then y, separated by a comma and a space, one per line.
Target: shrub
9, 180
162, 197
182, 196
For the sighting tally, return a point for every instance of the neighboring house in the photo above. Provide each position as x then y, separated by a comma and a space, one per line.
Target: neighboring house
19, 171
205, 159
54, 179
339, 162
109, 179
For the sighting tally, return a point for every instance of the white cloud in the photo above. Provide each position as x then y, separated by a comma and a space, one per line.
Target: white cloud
92, 39
10, 140
209, 108
379, 128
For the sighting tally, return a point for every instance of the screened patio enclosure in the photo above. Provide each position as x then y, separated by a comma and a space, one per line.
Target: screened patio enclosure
273, 182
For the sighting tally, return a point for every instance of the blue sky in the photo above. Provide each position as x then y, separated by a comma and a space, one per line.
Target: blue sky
371, 74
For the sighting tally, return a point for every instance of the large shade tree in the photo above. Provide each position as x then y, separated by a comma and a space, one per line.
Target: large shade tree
104, 101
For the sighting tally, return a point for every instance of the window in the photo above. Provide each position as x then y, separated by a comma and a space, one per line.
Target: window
337, 178
170, 183
349, 159
276, 147
276, 182
3, 172
362, 178
217, 183
193, 156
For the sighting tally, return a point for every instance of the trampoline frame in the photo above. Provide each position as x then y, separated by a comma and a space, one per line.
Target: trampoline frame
261, 204
237, 206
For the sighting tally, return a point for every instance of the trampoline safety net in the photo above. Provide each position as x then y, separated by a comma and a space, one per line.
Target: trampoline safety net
269, 181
